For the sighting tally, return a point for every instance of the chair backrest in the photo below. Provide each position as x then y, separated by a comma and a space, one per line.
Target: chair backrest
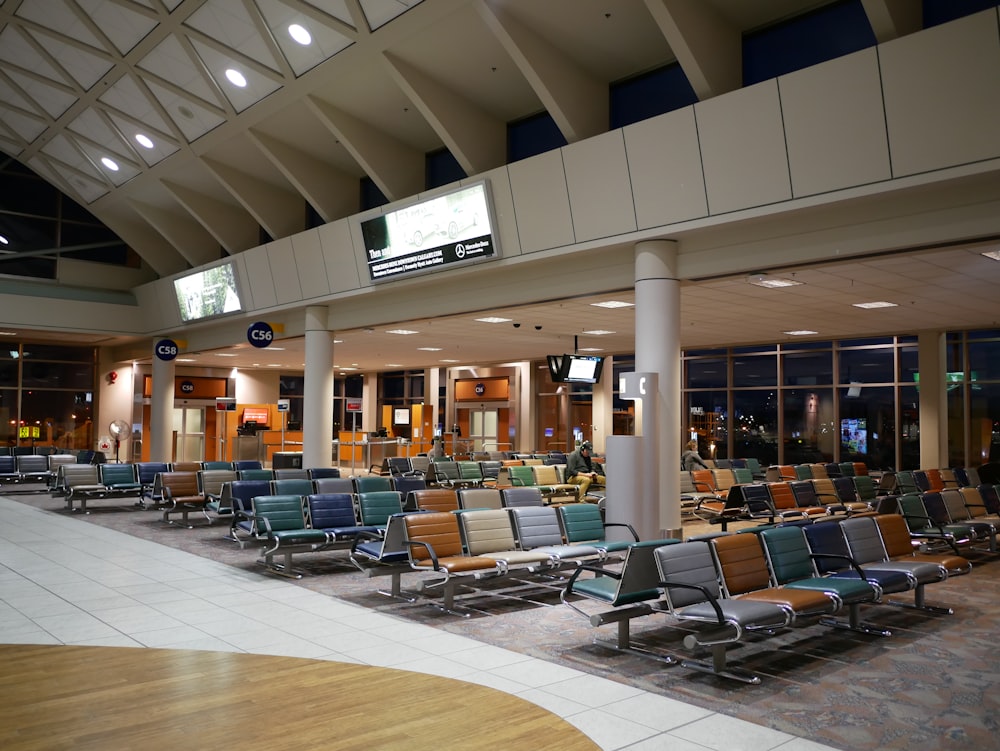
687, 484
56, 460
375, 507
866, 488
291, 486
864, 541
818, 471
372, 483
546, 474
149, 470
318, 473
787, 554
640, 577
78, 474
757, 499
704, 481
688, 563
480, 498
906, 482
439, 530
331, 510
490, 469
827, 539
334, 485
895, 535
917, 514
218, 465
805, 494
32, 464
825, 490
803, 471
406, 484
991, 497
753, 464
8, 464
470, 470
283, 512
486, 531
517, 497
179, 484
536, 526
118, 474
723, 479
520, 475
398, 465
581, 522
844, 489
436, 499
742, 565
211, 480
833, 470
256, 474
291, 473
444, 471
954, 503
242, 492
782, 497
742, 475
241, 464
420, 464
185, 466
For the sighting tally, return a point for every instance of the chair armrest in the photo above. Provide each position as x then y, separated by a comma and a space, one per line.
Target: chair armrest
629, 527
713, 601
426, 546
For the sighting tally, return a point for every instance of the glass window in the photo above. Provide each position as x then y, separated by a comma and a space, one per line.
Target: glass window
755, 370
984, 361
707, 373
807, 368
58, 375
909, 428
808, 430
755, 423
867, 426
57, 352
867, 365
707, 420
984, 423
63, 420
909, 364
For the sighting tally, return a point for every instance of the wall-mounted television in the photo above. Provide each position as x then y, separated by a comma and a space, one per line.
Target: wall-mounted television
208, 293
448, 230
575, 368
401, 416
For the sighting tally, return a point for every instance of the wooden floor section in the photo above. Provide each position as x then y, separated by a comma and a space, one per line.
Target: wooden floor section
112, 698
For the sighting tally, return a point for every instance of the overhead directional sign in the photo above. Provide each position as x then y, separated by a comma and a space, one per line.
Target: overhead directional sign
166, 350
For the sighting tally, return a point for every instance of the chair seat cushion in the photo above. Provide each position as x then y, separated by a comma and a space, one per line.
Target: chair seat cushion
569, 551
606, 588
848, 590
800, 601
300, 536
742, 612
460, 563
346, 533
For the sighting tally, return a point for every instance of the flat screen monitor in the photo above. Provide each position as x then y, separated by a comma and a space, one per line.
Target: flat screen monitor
208, 293
401, 416
575, 368
449, 230
256, 415
854, 434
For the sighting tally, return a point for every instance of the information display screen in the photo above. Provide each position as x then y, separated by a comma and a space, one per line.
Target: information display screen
453, 229
208, 293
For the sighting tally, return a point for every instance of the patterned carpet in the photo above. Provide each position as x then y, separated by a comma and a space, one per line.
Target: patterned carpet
934, 684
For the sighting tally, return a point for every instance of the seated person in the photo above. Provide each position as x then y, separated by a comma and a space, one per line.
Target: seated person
581, 470
691, 459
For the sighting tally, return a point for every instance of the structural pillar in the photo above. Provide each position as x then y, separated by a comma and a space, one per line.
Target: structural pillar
932, 366
161, 407
657, 350
317, 396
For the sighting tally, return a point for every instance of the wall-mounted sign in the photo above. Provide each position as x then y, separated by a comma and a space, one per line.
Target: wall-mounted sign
260, 334
225, 404
187, 387
353, 405
166, 350
284, 404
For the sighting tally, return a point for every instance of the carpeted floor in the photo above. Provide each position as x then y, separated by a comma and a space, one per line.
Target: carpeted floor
934, 684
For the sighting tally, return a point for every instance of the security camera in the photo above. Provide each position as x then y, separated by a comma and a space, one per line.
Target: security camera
538, 328
517, 325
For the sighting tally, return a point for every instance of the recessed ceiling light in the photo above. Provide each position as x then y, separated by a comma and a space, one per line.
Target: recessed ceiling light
591, 349
186, 112
800, 332
994, 254
185, 359
598, 332
300, 34
111, 164
274, 365
224, 354
393, 365
402, 332
429, 349
495, 319
145, 141
873, 305
275, 349
4, 240
8, 333
347, 368
613, 304
236, 78
450, 361
771, 282
338, 341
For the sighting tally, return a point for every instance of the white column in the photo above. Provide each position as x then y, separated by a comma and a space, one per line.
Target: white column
161, 409
317, 396
602, 410
657, 350
932, 364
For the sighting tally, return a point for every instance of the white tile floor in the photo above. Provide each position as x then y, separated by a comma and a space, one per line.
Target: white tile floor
65, 581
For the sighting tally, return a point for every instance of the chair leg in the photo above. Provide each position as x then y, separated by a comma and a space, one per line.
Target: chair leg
718, 665
854, 623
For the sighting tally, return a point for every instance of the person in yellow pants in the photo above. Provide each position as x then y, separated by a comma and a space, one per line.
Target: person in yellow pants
580, 470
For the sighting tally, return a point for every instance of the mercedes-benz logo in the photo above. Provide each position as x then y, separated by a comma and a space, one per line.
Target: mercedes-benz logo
460, 251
